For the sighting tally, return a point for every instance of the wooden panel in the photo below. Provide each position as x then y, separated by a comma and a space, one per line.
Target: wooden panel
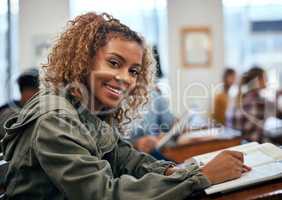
268, 190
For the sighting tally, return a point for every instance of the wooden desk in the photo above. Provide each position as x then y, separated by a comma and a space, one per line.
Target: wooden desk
182, 152
271, 190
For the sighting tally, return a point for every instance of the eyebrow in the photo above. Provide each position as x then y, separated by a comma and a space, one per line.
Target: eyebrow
123, 59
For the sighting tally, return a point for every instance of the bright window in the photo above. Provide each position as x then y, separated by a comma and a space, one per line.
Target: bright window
253, 36
9, 49
146, 17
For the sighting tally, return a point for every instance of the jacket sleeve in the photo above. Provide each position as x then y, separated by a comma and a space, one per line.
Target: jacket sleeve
133, 162
66, 154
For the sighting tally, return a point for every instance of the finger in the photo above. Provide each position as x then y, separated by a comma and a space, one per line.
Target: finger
238, 155
238, 163
246, 168
238, 172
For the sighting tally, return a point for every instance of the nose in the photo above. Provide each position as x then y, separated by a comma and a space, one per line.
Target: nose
124, 77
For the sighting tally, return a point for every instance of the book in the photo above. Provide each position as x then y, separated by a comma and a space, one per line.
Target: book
264, 159
214, 132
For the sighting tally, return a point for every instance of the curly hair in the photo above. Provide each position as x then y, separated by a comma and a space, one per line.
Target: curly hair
71, 57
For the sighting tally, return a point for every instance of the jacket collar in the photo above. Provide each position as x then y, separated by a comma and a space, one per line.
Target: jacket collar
106, 134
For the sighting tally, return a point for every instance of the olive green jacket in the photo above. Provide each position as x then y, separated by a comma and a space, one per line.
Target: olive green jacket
58, 151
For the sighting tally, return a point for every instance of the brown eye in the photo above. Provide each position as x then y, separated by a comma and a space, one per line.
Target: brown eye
114, 64
134, 72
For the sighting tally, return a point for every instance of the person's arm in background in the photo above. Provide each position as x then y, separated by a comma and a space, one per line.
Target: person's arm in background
165, 118
156, 122
141, 138
279, 103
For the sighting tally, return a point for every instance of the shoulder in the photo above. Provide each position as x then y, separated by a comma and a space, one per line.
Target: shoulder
45, 103
60, 129
41, 107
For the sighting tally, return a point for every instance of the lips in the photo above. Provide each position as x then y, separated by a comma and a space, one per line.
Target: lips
115, 90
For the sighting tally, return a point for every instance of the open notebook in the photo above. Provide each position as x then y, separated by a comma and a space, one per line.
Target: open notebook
265, 160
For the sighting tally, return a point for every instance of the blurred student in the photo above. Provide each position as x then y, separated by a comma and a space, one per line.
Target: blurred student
28, 83
156, 121
222, 99
251, 109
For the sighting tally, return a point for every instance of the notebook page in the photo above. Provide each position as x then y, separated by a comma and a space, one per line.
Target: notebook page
272, 150
205, 158
257, 157
257, 174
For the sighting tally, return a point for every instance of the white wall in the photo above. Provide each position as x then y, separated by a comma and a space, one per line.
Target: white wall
39, 20
194, 82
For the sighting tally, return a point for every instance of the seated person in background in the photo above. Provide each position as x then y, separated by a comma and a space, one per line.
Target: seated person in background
156, 120
66, 142
251, 109
222, 99
279, 99
28, 83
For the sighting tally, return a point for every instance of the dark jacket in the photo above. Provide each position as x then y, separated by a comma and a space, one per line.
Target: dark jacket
56, 152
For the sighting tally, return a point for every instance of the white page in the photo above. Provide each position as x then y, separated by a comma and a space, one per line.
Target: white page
272, 150
205, 158
216, 132
256, 157
211, 132
264, 153
257, 174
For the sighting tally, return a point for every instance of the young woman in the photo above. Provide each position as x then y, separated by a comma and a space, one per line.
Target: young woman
66, 144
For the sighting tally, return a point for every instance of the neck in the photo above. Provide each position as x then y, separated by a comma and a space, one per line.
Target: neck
95, 106
26, 95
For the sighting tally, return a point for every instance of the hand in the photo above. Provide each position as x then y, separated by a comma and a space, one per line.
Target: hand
146, 144
225, 166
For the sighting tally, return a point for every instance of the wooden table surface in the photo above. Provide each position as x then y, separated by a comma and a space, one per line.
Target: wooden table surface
271, 190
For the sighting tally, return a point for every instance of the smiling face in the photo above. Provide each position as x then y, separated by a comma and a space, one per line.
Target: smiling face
115, 70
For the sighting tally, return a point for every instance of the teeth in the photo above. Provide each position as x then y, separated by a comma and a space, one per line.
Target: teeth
114, 89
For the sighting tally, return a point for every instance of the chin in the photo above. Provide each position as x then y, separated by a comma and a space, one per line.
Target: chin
111, 104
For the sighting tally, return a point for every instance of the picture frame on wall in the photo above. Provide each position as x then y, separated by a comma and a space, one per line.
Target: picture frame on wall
196, 47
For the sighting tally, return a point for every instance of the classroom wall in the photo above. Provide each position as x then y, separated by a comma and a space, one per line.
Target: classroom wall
194, 87
39, 23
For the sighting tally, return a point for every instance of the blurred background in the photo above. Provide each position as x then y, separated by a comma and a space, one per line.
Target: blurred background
243, 33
